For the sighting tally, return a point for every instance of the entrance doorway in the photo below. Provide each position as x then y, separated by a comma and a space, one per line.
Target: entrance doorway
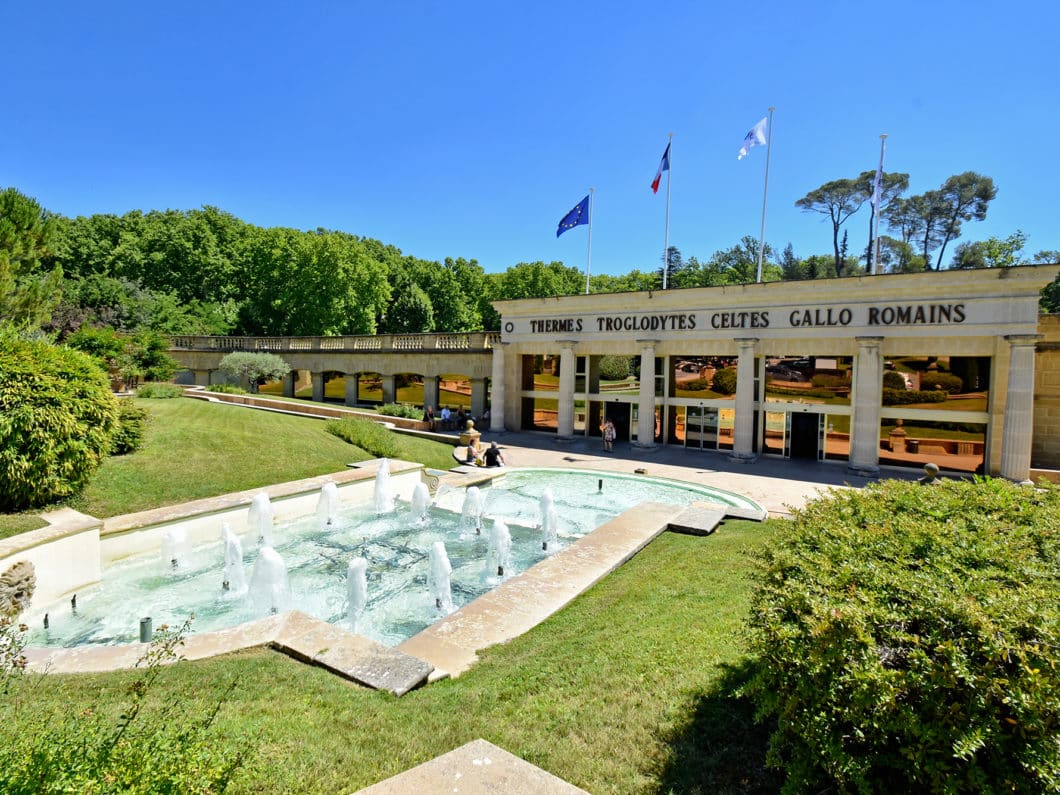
619, 414
805, 435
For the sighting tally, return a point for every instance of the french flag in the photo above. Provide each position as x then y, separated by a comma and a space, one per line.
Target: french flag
664, 165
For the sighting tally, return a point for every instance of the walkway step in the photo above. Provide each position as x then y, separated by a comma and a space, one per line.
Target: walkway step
477, 768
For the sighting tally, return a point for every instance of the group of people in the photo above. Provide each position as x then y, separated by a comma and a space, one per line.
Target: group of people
490, 457
447, 420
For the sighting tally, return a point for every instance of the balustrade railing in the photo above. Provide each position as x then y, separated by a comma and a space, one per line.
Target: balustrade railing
468, 342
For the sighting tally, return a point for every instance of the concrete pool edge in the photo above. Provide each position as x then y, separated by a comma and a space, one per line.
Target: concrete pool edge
447, 648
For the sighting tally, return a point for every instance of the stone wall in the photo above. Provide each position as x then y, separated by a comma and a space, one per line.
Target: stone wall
1045, 449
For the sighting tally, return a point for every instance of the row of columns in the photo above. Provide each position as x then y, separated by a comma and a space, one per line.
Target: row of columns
868, 397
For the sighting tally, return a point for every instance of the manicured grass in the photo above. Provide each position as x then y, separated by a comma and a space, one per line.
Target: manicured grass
630, 689
196, 449
11, 524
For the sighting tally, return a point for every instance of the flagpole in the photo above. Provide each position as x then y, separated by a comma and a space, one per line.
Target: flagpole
879, 202
765, 193
666, 234
589, 255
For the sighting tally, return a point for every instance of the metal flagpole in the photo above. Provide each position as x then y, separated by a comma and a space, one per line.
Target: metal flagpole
765, 193
666, 235
879, 201
589, 255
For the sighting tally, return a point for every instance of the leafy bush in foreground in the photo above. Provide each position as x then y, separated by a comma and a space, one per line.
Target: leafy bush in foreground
57, 417
132, 425
370, 436
908, 640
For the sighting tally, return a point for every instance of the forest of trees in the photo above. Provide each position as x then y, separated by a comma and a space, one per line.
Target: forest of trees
204, 271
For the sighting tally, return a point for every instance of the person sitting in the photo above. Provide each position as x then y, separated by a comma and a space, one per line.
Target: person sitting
493, 456
445, 417
471, 454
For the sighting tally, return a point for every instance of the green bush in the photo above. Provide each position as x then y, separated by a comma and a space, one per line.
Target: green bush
159, 391
401, 410
614, 368
228, 389
695, 385
893, 380
903, 397
370, 436
132, 425
256, 367
57, 417
830, 381
725, 381
908, 640
950, 383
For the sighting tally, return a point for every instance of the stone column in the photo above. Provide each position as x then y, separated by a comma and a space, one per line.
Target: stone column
353, 381
868, 397
478, 397
646, 399
430, 393
1019, 409
202, 377
289, 382
497, 390
743, 441
565, 413
318, 386
389, 384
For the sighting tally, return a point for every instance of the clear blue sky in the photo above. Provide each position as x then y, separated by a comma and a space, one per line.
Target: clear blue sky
469, 129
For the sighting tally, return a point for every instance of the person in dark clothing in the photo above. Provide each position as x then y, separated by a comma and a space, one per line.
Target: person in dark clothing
493, 456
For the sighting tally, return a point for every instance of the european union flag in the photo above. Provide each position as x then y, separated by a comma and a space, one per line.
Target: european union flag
579, 215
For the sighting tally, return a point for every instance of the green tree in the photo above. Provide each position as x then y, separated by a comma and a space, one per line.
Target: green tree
410, 312
962, 197
531, 280
991, 253
256, 368
838, 200
28, 293
891, 187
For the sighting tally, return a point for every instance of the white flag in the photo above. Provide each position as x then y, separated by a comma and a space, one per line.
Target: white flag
756, 136
877, 185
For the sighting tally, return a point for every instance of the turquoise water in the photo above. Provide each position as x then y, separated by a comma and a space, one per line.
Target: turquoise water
395, 545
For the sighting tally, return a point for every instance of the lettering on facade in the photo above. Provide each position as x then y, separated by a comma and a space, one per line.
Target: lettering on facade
909, 315
740, 319
821, 317
646, 323
806, 317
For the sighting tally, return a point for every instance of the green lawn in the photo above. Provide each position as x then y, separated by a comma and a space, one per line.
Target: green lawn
630, 689
195, 449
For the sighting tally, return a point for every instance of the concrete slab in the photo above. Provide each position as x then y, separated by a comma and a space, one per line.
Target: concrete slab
352, 656
697, 521
477, 768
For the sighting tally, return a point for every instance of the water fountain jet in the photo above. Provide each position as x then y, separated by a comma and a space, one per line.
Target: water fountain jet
549, 519
499, 553
471, 511
356, 590
176, 551
440, 577
384, 499
235, 578
328, 504
260, 520
269, 587
421, 503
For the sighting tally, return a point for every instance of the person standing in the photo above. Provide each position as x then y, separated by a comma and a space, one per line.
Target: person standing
608, 432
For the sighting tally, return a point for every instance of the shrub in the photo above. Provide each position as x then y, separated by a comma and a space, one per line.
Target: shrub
159, 391
57, 417
227, 389
894, 380
614, 368
400, 410
725, 381
695, 385
903, 397
370, 436
950, 383
132, 425
908, 640
830, 381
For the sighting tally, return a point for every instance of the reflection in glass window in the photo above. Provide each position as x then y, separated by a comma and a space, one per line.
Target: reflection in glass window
703, 377
956, 446
815, 379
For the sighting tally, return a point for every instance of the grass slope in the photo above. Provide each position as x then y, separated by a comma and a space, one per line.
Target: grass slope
630, 689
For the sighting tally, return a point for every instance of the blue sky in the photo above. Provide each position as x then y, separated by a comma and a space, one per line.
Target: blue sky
470, 129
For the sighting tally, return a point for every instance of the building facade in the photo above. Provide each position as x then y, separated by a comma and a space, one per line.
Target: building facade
871, 371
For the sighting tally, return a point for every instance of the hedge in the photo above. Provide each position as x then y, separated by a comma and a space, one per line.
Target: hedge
907, 639
951, 383
903, 397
